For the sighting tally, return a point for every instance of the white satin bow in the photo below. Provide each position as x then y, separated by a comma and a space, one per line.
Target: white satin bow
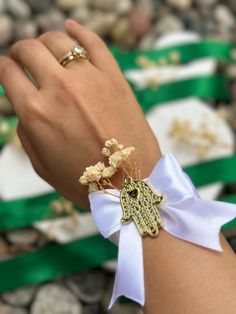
184, 213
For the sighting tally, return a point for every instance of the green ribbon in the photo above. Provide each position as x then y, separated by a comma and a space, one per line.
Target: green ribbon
206, 88
212, 171
188, 52
24, 212
55, 260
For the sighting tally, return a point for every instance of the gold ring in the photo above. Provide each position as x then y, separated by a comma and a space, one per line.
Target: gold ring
75, 53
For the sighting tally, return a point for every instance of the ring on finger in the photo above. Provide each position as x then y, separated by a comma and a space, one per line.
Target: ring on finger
75, 53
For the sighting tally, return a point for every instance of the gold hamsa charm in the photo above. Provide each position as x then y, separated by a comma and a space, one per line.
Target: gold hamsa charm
139, 203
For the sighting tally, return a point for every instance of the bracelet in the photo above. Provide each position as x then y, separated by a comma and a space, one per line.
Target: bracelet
166, 199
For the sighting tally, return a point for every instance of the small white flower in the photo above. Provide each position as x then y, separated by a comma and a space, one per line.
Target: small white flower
83, 180
120, 146
94, 173
106, 152
116, 159
111, 142
109, 172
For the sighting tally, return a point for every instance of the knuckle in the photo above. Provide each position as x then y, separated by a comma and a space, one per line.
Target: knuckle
6, 66
55, 35
23, 45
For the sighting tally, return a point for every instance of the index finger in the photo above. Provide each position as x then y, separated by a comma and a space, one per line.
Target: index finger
17, 85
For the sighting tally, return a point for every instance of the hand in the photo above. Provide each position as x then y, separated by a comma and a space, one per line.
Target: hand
64, 123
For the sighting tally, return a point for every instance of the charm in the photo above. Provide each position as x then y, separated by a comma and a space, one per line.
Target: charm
139, 203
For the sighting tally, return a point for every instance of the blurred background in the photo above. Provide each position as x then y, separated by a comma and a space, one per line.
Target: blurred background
179, 58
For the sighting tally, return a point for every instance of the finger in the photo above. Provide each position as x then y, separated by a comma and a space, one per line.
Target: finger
37, 59
99, 54
17, 85
59, 44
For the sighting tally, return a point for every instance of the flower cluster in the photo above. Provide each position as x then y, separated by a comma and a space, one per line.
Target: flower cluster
96, 175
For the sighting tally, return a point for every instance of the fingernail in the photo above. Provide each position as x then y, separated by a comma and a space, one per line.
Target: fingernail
70, 22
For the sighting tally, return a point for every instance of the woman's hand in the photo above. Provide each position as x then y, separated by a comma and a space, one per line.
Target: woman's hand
64, 123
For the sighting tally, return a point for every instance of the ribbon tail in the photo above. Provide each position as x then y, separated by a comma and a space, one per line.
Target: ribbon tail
129, 278
198, 221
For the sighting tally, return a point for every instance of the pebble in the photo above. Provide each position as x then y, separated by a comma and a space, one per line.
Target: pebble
167, 24
88, 286
18, 8
81, 14
19, 297
206, 3
110, 266
40, 5
51, 20
2, 6
6, 29
6, 309
16, 249
140, 23
106, 5
209, 27
22, 236
92, 309
102, 22
118, 307
55, 299
67, 5
124, 6
231, 4
147, 7
223, 16
191, 19
3, 249
121, 33
25, 30
147, 41
180, 4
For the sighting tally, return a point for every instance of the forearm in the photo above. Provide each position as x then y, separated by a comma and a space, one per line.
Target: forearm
181, 277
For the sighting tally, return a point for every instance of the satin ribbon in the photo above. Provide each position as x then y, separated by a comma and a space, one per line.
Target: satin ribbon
203, 87
55, 260
184, 213
187, 53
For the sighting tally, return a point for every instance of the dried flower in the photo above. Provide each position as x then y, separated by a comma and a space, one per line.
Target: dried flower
83, 180
120, 146
111, 142
106, 152
93, 187
92, 173
116, 159
97, 176
108, 172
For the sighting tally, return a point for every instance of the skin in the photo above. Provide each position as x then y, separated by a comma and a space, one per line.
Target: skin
63, 125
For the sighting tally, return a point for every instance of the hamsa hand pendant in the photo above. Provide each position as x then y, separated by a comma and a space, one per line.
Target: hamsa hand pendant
140, 205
